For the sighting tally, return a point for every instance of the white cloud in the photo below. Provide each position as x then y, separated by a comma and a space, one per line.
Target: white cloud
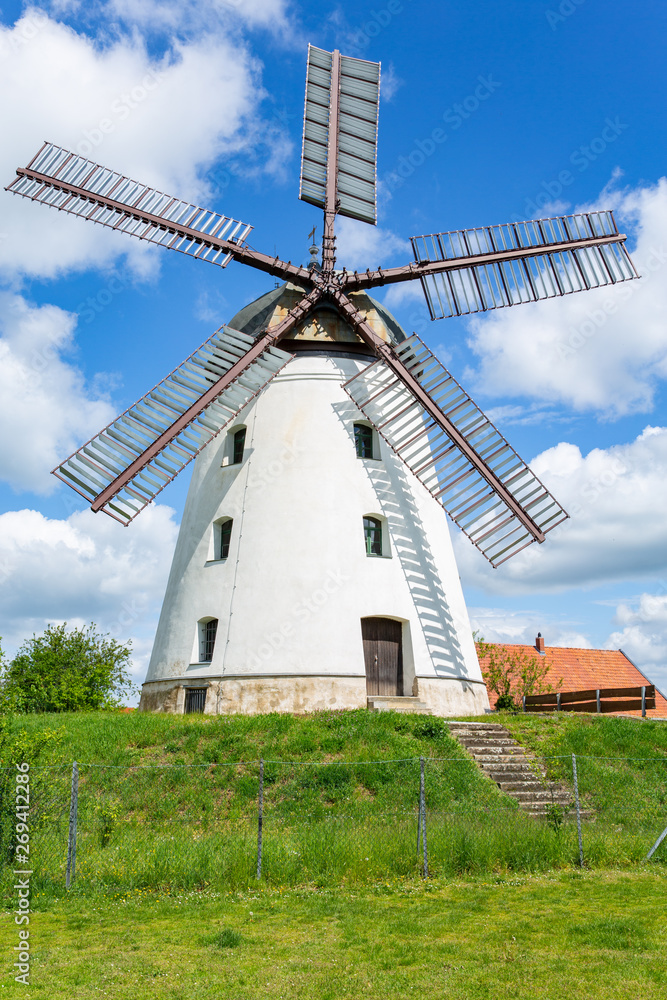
46, 409
85, 568
617, 498
533, 413
501, 625
390, 83
643, 633
643, 636
406, 291
168, 120
603, 350
360, 245
198, 15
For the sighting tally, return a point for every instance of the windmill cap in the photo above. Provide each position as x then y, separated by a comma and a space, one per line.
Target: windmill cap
323, 325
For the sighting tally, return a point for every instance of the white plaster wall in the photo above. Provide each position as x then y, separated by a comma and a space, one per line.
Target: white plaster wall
291, 594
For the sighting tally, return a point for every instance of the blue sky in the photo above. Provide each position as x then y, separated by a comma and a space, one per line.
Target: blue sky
545, 107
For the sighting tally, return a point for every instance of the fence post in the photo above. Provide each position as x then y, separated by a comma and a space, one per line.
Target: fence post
71, 840
419, 823
422, 809
259, 818
576, 802
598, 702
656, 845
643, 702
558, 701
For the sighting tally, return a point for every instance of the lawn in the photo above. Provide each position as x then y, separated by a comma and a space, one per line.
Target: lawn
170, 803
579, 934
166, 904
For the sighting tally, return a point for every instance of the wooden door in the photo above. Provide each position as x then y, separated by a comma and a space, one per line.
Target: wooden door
383, 656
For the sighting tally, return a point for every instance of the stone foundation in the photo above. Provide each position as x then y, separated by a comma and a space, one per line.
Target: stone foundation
257, 695
452, 696
297, 695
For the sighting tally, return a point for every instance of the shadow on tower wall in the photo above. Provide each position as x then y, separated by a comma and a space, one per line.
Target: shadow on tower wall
411, 545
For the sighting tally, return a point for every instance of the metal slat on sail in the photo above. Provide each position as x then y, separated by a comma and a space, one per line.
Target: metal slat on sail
357, 138
437, 461
356, 126
466, 290
62, 167
96, 464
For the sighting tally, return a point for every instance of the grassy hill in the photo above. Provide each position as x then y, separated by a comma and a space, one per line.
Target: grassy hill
171, 801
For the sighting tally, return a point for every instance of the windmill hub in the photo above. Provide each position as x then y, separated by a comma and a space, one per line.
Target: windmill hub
313, 566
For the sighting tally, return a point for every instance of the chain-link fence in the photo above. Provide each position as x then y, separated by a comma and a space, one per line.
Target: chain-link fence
173, 827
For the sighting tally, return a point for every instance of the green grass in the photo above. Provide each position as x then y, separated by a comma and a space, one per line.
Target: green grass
621, 763
340, 799
569, 934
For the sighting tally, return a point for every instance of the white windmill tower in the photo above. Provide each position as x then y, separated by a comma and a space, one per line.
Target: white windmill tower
314, 567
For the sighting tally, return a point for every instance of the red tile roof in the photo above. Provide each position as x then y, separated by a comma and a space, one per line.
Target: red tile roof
583, 669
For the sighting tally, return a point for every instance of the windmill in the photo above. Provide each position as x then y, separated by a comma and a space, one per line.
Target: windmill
363, 426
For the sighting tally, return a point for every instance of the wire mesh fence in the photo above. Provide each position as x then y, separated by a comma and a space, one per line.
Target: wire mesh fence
139, 828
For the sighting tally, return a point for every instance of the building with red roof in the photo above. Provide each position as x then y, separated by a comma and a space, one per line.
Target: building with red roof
571, 669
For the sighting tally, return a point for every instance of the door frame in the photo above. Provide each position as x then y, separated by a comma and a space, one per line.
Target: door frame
400, 680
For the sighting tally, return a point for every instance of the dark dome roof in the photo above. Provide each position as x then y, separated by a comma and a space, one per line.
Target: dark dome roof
254, 317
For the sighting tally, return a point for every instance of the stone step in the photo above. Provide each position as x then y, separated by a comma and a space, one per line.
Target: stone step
518, 784
476, 727
539, 795
516, 773
396, 703
485, 737
475, 745
501, 756
515, 766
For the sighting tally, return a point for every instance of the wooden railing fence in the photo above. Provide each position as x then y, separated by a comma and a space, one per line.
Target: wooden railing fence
599, 700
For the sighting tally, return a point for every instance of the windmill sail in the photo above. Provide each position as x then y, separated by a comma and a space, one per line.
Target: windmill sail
424, 414
340, 133
467, 494
170, 425
64, 180
531, 271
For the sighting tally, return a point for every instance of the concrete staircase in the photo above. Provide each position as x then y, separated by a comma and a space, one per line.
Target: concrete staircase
388, 703
515, 772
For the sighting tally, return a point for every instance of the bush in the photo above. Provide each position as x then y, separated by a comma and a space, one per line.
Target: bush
63, 671
510, 674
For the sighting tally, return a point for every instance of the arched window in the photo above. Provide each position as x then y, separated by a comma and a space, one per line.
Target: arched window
207, 633
373, 536
239, 445
363, 440
225, 538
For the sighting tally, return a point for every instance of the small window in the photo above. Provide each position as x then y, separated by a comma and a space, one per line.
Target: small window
195, 700
239, 445
373, 536
363, 439
207, 639
225, 538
